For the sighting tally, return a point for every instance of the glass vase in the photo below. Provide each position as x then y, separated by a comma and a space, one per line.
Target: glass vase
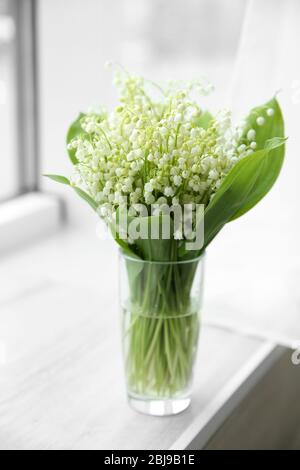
161, 305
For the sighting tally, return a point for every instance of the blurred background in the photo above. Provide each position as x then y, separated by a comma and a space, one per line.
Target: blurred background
52, 56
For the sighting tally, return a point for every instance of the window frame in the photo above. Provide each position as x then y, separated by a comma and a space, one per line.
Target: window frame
26, 95
28, 214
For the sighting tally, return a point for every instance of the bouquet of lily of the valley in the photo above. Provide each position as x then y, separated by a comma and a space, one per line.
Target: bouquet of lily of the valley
166, 176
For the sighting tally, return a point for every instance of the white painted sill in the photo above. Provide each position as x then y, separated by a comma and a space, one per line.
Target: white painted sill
27, 218
52, 331
36, 215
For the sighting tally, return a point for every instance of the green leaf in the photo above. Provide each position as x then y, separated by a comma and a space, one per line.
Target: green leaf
115, 231
147, 276
86, 197
204, 120
272, 127
59, 179
149, 248
125, 247
152, 249
267, 136
247, 182
74, 131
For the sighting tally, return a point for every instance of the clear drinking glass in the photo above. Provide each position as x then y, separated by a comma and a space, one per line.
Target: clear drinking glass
161, 305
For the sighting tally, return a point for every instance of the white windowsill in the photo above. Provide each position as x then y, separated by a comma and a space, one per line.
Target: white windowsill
59, 324
26, 218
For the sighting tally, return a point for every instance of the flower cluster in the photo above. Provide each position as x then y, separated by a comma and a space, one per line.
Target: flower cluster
156, 151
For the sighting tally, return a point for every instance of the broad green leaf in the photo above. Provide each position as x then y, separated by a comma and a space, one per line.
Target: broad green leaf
152, 249
115, 228
147, 276
74, 131
126, 249
236, 191
249, 176
86, 197
133, 264
148, 248
273, 128
204, 120
59, 179
273, 125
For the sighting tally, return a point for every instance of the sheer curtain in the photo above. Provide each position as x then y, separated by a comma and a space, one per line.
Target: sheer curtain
263, 247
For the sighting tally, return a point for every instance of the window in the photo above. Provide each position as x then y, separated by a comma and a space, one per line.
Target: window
18, 136
8, 178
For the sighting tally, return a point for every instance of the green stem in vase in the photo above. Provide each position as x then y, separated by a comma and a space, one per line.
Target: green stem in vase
161, 339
